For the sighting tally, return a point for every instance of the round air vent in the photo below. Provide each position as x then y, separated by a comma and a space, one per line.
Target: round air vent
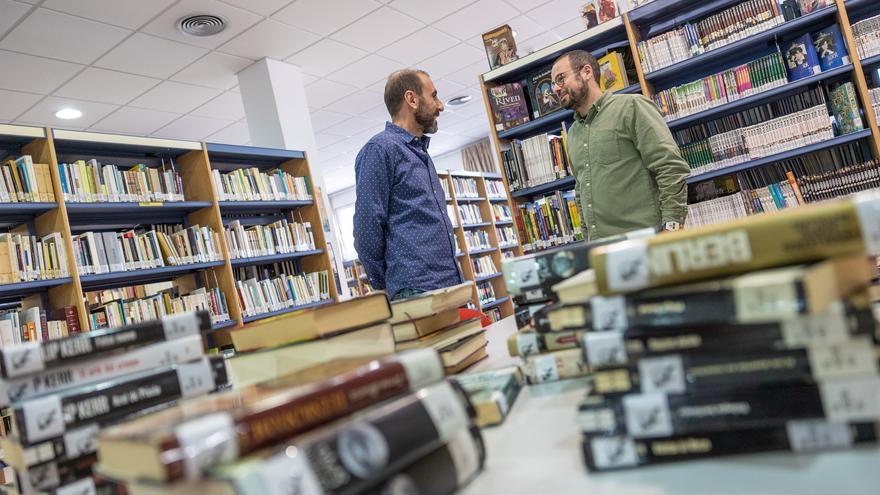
458, 100
202, 25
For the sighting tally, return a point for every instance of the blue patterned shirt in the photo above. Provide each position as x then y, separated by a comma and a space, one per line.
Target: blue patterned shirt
402, 232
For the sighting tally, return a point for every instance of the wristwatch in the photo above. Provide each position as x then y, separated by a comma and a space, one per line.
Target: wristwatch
670, 227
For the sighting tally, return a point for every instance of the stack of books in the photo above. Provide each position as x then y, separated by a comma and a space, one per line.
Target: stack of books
61, 393
25, 257
265, 240
252, 184
432, 321
90, 182
22, 180
768, 343
387, 424
278, 286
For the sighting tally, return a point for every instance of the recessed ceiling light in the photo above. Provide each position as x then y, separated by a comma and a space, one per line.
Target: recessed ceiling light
458, 100
68, 113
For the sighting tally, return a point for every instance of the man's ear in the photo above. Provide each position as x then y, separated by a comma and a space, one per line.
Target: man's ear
410, 99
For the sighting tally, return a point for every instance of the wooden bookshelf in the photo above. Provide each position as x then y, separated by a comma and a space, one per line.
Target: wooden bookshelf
194, 161
358, 282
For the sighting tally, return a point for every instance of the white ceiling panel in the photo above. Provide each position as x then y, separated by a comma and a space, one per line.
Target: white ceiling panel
352, 126
307, 79
429, 12
269, 39
191, 127
418, 46
262, 7
473, 19
357, 103
12, 13
379, 113
557, 12
536, 43
324, 140
215, 70
13, 103
569, 28
237, 20
323, 17
470, 75
227, 106
177, 97
52, 34
130, 14
366, 71
524, 27
527, 5
323, 120
35, 74
150, 56
136, 121
44, 112
452, 60
447, 88
236, 133
324, 92
326, 56
106, 86
378, 29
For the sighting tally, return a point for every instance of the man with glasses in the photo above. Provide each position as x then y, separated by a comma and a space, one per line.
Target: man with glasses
629, 172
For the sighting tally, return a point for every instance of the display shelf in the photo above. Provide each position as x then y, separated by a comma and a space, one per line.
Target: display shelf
24, 288
497, 200
483, 278
133, 277
673, 11
556, 185
874, 59
28, 209
482, 251
273, 258
505, 247
803, 150
270, 314
223, 324
128, 208
81, 142
476, 225
497, 302
247, 206
502, 223
470, 200
459, 255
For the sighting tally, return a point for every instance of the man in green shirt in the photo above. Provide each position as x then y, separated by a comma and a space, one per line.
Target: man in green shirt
629, 172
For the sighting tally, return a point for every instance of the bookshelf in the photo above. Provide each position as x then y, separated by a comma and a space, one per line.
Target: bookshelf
194, 162
356, 278
660, 16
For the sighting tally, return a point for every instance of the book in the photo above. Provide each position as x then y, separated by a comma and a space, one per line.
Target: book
430, 302
813, 232
527, 342
508, 104
475, 357
53, 474
173, 444
500, 45
576, 289
845, 107
90, 181
542, 98
22, 180
458, 352
612, 77
801, 59
69, 315
448, 336
809, 6
492, 393
589, 15
254, 184
422, 327
830, 47
555, 366
607, 10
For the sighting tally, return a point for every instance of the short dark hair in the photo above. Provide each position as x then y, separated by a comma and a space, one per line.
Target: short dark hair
581, 58
398, 84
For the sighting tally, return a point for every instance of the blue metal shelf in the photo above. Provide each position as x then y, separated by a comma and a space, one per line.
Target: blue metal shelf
476, 225
470, 200
252, 156
505, 248
496, 302
483, 278
759, 98
482, 251
24, 288
284, 311
223, 324
556, 185
459, 255
871, 60
503, 222
787, 155
237, 206
273, 258
126, 208
137, 276
29, 209
498, 200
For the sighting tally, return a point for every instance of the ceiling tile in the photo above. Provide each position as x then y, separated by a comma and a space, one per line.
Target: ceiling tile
524, 27
308, 79
470, 75
357, 103
130, 14
447, 89
380, 28
379, 113
536, 43
527, 5
215, 70
13, 103
227, 106
323, 120
475, 108
137, 121
326, 56
262, 7
325, 140
269, 39
352, 126
323, 17
176, 97
43, 75
237, 133
429, 12
106, 86
366, 71
237, 20
12, 13
418, 46
43, 113
322, 93
150, 56
569, 28
452, 60
472, 20
52, 34
557, 12
191, 127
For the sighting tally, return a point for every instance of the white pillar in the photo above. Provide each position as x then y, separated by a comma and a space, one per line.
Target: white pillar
277, 112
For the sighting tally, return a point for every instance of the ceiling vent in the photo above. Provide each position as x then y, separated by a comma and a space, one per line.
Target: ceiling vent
202, 25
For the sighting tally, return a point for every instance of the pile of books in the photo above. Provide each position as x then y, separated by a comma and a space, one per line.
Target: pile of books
61, 393
264, 240
252, 184
432, 321
32, 324
465, 187
278, 286
90, 182
22, 180
867, 36
769, 343
25, 258
470, 214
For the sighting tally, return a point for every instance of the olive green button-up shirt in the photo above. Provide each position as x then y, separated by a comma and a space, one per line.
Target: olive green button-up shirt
630, 174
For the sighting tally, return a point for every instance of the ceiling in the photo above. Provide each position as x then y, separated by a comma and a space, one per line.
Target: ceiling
125, 65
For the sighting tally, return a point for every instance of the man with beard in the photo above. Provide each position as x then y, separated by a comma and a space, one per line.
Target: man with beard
629, 172
402, 233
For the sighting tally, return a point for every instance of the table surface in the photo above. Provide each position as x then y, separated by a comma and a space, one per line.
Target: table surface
536, 451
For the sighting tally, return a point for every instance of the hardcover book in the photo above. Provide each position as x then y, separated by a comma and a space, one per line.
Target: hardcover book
611, 74
845, 107
508, 103
590, 15
801, 59
607, 10
492, 392
541, 96
500, 46
809, 6
830, 47
429, 303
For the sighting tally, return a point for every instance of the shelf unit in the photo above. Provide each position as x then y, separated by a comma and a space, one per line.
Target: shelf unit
660, 16
194, 161
359, 283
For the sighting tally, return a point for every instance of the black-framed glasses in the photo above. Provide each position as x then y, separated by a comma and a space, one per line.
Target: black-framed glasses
559, 80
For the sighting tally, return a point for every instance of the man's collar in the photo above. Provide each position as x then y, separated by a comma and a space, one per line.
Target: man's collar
594, 109
407, 137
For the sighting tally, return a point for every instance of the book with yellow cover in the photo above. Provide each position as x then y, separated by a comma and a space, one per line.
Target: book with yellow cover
612, 77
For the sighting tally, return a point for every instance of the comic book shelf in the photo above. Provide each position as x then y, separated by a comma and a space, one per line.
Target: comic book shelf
655, 18
195, 162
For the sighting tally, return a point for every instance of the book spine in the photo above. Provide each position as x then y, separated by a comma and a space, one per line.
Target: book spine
53, 474
555, 366
524, 344
31, 358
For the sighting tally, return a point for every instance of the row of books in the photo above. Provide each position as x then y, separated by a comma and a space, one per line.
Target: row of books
727, 26
26, 258
33, 324
874, 94
506, 236
476, 239
465, 187
22, 180
445, 185
450, 212
263, 240
495, 189
502, 212
552, 220
537, 160
252, 184
163, 245
470, 214
483, 265
264, 291
867, 36
486, 293
90, 182
160, 304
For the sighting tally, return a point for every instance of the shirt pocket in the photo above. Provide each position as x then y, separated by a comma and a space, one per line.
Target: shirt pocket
604, 146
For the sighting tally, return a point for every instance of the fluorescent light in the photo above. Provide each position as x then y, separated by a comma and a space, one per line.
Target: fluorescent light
68, 113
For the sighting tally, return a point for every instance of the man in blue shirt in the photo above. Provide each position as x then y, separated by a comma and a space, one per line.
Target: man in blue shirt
402, 232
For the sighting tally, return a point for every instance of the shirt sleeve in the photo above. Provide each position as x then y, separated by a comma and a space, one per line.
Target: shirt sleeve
662, 157
372, 189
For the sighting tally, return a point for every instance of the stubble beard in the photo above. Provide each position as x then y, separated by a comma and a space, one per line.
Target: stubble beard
426, 119
576, 96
